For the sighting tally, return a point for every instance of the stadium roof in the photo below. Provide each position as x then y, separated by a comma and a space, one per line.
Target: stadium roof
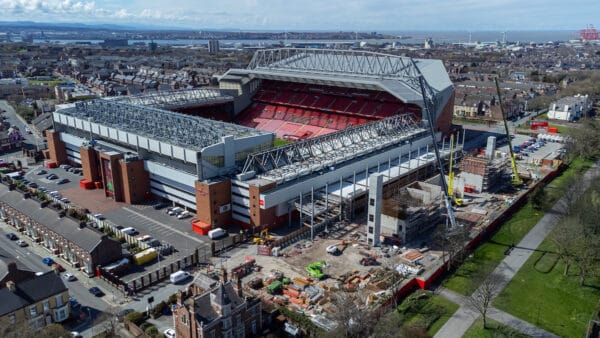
176, 98
358, 69
186, 131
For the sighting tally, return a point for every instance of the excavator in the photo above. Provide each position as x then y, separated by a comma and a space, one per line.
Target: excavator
264, 238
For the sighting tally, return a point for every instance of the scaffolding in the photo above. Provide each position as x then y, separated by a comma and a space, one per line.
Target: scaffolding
181, 130
176, 98
322, 153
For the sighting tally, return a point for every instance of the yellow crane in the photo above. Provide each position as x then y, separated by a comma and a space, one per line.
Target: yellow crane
455, 200
516, 179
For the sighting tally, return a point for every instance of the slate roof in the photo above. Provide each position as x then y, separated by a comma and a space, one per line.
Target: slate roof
30, 292
85, 238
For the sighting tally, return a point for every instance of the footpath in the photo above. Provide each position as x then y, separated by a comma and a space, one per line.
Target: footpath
465, 316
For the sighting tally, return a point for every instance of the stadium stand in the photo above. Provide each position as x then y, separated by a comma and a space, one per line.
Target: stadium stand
296, 111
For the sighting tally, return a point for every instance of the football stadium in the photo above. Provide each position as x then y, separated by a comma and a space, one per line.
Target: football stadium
292, 138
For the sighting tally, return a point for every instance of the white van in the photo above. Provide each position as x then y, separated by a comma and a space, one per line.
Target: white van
217, 233
178, 276
174, 211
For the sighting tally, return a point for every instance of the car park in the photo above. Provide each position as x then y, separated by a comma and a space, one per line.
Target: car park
130, 231
69, 277
22, 243
12, 236
96, 291
48, 261
159, 205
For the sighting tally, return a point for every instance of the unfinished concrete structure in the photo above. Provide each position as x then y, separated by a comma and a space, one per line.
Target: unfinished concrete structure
413, 211
482, 174
374, 219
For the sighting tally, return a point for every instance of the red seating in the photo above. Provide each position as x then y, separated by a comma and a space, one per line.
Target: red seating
316, 108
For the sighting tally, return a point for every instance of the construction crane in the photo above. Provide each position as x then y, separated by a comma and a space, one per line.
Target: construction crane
430, 101
516, 179
456, 201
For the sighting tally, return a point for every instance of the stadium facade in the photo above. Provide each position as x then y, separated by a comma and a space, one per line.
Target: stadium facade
348, 114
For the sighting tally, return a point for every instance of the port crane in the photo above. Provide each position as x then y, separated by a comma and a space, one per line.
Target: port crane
516, 179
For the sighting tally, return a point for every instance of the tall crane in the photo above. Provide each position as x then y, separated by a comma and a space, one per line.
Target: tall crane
430, 101
516, 179
455, 200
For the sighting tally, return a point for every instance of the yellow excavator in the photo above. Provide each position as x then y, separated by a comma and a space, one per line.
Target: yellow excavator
455, 201
264, 238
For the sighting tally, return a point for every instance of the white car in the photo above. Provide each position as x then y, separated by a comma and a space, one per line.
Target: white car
69, 277
99, 216
169, 333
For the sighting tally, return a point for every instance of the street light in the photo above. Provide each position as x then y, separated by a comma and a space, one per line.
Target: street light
91, 320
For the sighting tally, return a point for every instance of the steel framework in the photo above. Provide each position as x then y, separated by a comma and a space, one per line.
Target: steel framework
313, 155
176, 98
174, 128
339, 62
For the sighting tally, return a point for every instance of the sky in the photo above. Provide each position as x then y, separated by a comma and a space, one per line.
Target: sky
333, 15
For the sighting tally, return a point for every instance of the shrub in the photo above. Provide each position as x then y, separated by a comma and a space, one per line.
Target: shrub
135, 317
151, 330
158, 308
173, 298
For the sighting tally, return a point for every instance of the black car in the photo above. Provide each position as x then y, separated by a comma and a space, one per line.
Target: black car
159, 205
96, 291
12, 236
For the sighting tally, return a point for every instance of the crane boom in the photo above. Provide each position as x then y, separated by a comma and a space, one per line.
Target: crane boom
429, 100
516, 180
450, 171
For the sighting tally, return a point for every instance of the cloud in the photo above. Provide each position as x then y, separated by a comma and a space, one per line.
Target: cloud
350, 15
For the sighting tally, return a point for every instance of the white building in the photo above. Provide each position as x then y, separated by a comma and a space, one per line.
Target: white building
569, 108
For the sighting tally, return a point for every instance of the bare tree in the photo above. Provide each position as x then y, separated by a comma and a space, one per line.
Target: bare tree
354, 319
481, 299
565, 240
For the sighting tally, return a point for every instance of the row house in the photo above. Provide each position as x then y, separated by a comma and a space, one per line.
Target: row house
80, 247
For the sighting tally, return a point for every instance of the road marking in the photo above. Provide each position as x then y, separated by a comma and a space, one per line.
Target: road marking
164, 225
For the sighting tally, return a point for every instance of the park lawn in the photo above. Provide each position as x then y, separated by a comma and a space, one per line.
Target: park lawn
278, 142
431, 311
489, 254
494, 329
50, 83
550, 300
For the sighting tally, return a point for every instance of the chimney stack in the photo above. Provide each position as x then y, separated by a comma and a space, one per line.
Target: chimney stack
11, 286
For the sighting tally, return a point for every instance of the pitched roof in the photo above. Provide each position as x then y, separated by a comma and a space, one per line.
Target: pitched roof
85, 238
31, 292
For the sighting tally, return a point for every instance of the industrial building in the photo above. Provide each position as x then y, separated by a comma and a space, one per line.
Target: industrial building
349, 114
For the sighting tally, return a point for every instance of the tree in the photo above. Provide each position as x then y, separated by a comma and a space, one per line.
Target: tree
565, 242
538, 197
353, 320
585, 140
481, 299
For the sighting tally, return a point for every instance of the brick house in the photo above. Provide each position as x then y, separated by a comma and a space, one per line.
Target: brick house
214, 309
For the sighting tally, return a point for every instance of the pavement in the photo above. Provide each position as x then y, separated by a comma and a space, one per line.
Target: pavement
464, 317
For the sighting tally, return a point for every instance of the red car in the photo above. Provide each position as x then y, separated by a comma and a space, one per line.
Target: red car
59, 267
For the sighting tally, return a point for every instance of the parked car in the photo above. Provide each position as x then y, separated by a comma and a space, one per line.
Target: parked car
48, 261
62, 181
65, 200
41, 172
130, 231
169, 333
96, 291
32, 185
58, 267
69, 277
12, 236
99, 216
159, 205
183, 214
51, 177
174, 211
154, 243
22, 243
65, 166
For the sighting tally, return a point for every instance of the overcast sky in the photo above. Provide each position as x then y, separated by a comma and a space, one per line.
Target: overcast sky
347, 15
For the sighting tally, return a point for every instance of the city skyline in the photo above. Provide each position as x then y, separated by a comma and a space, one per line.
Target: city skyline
334, 15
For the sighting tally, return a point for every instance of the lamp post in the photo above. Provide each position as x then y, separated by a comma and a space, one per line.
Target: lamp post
91, 320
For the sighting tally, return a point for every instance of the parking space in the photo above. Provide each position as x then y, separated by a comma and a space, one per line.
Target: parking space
39, 175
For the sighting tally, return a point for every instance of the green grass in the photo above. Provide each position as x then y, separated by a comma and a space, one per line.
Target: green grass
278, 142
494, 329
423, 309
488, 255
550, 300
